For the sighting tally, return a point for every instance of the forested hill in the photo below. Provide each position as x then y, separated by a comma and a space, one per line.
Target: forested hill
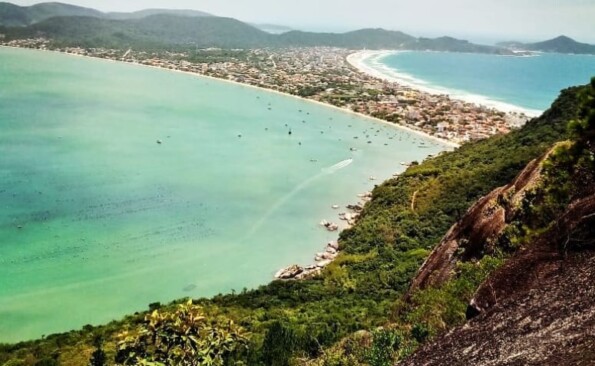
69, 25
12, 15
148, 12
72, 25
333, 319
160, 31
561, 44
20, 16
171, 31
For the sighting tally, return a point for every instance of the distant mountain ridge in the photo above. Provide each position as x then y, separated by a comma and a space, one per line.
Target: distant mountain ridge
561, 44
72, 25
172, 31
363, 38
162, 29
12, 15
272, 28
148, 12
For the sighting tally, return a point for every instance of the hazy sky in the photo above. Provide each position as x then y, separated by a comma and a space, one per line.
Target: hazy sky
479, 20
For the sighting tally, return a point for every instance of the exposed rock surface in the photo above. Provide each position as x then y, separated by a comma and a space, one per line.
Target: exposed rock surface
289, 272
538, 309
526, 268
482, 224
295, 272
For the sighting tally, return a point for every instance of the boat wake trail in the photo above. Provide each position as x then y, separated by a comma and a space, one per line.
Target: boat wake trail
325, 171
338, 166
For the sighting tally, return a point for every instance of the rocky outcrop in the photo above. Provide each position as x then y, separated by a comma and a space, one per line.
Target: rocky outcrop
537, 309
330, 226
323, 259
529, 265
478, 230
289, 272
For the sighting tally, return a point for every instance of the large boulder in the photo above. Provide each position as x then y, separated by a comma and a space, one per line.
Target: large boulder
289, 273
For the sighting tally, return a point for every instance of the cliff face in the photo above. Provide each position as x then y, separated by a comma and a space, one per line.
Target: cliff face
476, 233
531, 266
537, 309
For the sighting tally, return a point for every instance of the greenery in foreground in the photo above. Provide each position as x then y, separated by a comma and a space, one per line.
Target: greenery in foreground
286, 323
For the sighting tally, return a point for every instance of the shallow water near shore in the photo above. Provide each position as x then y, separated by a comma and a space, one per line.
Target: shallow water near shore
98, 219
505, 82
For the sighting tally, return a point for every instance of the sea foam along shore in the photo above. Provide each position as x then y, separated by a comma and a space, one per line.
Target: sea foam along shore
445, 142
370, 62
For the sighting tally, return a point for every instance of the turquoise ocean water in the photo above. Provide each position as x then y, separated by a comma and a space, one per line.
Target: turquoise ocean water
531, 83
98, 220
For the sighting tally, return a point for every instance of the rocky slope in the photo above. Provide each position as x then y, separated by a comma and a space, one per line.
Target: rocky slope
478, 230
538, 309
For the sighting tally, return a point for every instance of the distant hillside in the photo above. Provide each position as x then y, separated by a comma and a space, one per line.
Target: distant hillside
365, 38
69, 25
172, 31
148, 12
560, 44
449, 44
156, 31
380, 38
273, 28
20, 16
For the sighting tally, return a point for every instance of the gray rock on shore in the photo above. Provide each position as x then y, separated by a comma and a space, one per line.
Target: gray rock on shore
290, 272
333, 244
324, 263
330, 226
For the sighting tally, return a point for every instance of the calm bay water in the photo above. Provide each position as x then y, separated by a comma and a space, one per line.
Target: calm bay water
528, 82
98, 220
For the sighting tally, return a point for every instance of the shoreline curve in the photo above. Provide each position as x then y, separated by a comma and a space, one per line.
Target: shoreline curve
448, 143
359, 59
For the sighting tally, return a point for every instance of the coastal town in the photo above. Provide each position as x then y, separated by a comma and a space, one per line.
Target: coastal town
324, 75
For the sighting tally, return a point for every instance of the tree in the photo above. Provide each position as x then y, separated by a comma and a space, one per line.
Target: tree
279, 345
98, 357
384, 346
182, 337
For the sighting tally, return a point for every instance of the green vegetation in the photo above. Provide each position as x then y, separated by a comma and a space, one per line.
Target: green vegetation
180, 337
321, 319
561, 44
428, 313
20, 16
152, 29
160, 31
436, 309
72, 26
98, 357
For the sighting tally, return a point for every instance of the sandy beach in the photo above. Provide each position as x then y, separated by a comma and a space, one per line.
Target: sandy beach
369, 63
